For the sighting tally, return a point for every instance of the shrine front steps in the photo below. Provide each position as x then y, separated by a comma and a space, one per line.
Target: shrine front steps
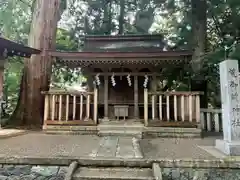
139, 130
114, 173
121, 129
124, 133
129, 129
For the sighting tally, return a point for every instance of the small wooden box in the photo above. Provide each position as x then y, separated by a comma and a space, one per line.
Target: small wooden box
121, 111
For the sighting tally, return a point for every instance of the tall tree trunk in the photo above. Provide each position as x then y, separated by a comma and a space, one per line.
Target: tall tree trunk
199, 30
37, 69
121, 17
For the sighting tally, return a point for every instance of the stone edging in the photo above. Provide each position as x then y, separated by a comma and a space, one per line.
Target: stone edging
14, 133
118, 162
71, 169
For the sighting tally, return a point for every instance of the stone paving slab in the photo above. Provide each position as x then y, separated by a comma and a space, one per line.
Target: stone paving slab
176, 148
119, 147
213, 151
109, 147
44, 145
125, 148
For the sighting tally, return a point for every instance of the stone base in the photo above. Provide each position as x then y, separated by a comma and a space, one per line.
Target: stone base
228, 148
105, 119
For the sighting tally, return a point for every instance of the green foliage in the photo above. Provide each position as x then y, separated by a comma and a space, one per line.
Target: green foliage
13, 72
65, 41
15, 18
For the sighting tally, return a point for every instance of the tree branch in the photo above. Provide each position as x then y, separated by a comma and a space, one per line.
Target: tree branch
217, 25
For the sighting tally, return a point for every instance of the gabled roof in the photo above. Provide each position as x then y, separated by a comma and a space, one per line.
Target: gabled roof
15, 49
123, 49
124, 43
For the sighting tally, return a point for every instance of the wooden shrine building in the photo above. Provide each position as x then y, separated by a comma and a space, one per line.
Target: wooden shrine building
122, 75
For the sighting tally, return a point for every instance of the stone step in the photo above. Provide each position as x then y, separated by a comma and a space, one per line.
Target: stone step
84, 173
121, 127
124, 133
172, 132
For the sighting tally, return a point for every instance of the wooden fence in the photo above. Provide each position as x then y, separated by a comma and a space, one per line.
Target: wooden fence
172, 106
69, 108
211, 120
63, 107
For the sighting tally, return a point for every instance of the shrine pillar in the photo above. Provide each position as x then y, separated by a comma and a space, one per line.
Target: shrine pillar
154, 100
105, 97
136, 109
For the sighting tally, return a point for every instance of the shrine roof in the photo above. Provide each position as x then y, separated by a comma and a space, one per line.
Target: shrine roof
156, 57
16, 49
107, 54
124, 43
123, 49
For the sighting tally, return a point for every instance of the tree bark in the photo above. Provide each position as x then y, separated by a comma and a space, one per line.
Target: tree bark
199, 34
37, 69
121, 17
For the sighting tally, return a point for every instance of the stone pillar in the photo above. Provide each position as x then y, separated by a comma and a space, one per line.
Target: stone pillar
136, 114
230, 87
105, 97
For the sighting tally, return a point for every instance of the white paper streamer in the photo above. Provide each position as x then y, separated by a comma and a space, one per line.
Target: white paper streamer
145, 81
129, 80
97, 79
113, 80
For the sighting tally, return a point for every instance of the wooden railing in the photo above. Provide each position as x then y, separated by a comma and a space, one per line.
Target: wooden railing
211, 120
63, 107
172, 106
